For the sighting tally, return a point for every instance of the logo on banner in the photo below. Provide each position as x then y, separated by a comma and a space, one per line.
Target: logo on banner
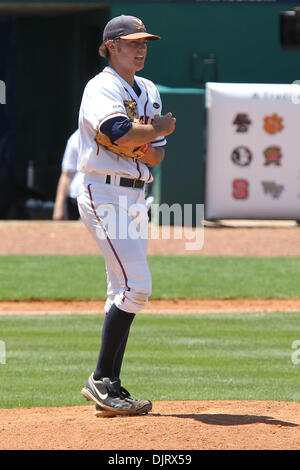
272, 188
272, 155
273, 124
242, 121
241, 156
240, 188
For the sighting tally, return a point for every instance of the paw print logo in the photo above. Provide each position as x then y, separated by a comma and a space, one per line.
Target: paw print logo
273, 124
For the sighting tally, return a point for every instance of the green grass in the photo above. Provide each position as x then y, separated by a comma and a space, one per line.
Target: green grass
169, 357
83, 277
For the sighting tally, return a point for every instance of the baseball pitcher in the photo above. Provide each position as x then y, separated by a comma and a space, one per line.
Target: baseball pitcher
122, 134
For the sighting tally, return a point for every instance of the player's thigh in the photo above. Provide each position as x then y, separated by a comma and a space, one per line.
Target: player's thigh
122, 239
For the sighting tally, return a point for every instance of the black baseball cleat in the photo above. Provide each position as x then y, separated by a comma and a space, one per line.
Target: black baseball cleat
142, 406
100, 412
106, 394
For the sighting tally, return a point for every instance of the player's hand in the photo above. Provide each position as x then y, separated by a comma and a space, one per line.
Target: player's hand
164, 125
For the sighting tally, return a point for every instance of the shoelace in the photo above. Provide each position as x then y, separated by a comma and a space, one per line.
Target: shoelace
114, 389
124, 393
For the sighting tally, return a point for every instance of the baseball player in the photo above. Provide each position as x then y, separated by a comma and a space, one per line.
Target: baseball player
121, 135
69, 182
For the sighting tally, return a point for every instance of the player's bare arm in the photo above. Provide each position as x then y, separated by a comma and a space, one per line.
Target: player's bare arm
140, 134
61, 194
153, 157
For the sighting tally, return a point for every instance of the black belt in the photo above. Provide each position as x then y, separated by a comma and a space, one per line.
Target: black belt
128, 182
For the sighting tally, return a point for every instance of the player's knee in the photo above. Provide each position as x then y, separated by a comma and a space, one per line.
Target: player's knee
131, 302
134, 299
145, 288
139, 300
140, 293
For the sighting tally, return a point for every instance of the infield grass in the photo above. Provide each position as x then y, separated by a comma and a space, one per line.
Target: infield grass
169, 357
84, 277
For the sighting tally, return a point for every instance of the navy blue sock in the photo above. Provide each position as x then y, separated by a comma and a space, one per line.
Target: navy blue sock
114, 332
119, 357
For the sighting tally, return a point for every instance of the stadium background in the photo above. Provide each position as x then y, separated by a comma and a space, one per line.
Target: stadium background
48, 52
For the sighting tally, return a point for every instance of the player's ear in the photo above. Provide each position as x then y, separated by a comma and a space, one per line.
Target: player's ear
110, 46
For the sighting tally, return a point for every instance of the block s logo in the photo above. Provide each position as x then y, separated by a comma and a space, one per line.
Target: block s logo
240, 189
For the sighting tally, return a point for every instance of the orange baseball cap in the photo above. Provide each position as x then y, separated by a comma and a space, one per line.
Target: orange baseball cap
126, 27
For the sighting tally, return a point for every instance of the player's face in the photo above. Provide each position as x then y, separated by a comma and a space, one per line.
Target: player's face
132, 54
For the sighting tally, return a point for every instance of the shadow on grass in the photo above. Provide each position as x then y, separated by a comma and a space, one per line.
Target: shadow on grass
232, 420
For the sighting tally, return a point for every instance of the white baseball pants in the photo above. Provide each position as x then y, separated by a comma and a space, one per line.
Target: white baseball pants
117, 218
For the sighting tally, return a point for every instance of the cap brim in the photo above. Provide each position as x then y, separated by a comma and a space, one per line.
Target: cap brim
140, 36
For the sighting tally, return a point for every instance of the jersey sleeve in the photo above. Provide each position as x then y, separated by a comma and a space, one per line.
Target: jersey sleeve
103, 99
161, 140
116, 127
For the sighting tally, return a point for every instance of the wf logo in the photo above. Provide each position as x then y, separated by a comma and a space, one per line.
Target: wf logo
2, 92
270, 187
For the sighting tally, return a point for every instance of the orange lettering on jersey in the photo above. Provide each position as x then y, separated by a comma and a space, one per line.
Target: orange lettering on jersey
146, 120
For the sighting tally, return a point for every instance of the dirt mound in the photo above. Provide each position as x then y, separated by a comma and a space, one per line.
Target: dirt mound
181, 425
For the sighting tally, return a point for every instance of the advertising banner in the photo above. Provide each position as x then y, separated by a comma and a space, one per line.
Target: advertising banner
252, 151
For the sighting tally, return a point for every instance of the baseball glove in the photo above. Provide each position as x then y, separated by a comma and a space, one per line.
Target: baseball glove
128, 152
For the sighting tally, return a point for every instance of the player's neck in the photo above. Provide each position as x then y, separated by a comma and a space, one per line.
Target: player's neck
127, 75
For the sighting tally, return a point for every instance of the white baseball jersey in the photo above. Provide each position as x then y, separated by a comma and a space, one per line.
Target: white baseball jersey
103, 99
70, 161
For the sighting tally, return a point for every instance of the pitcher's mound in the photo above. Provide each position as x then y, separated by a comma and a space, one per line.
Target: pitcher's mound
176, 425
